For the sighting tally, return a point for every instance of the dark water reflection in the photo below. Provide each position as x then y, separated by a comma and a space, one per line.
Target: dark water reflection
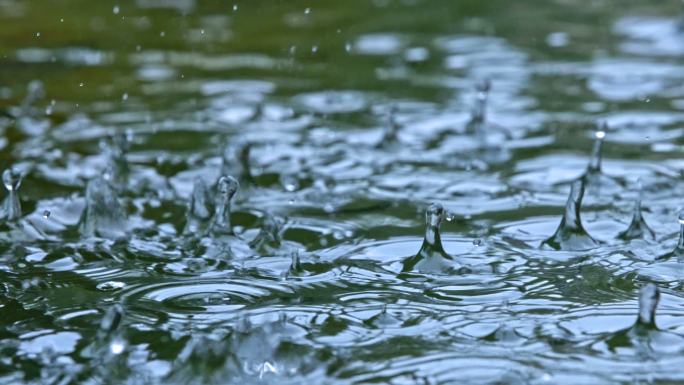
342, 122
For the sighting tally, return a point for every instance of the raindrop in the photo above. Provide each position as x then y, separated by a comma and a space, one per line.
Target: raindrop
38, 34
328, 208
11, 207
235, 7
46, 214
307, 10
116, 9
80, 84
477, 242
117, 347
110, 286
162, 34
124, 97
449, 216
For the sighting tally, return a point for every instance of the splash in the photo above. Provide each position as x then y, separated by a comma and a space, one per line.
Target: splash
11, 206
432, 257
638, 228
103, 215
220, 223
198, 213
678, 251
268, 240
570, 234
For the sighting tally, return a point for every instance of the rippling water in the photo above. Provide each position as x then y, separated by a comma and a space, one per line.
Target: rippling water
342, 123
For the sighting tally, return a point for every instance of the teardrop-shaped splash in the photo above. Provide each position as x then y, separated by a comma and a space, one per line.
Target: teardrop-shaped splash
235, 161
594, 178
199, 213
11, 206
103, 215
220, 223
638, 228
268, 240
678, 251
432, 257
570, 234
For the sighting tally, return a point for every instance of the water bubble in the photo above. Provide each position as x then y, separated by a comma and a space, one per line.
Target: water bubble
116, 9
46, 214
110, 286
338, 234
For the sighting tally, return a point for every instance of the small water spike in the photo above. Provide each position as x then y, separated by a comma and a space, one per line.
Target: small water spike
638, 228
431, 257
649, 296
571, 235
678, 251
390, 135
103, 215
11, 207
595, 160
235, 161
268, 239
479, 112
226, 189
198, 213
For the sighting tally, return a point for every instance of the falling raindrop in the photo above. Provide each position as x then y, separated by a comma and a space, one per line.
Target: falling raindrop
116, 9
46, 214
477, 242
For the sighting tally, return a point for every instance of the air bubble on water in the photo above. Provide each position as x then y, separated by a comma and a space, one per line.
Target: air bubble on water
338, 234
46, 214
348, 233
38, 34
116, 9
110, 286
323, 241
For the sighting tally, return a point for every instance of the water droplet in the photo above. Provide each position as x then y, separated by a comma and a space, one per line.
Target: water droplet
162, 34
291, 201
314, 48
46, 214
235, 7
38, 34
328, 208
477, 242
449, 216
117, 347
110, 286
681, 217
80, 84
307, 10
116, 9
338, 234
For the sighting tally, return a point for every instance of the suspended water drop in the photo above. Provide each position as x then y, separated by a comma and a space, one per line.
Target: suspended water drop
595, 160
449, 216
268, 240
46, 214
110, 286
116, 9
477, 242
117, 347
